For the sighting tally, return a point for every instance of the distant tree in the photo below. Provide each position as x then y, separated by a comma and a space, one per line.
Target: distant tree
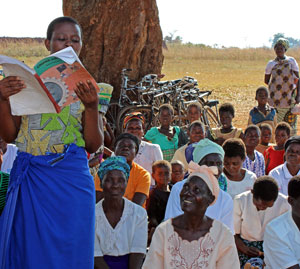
293, 42
171, 38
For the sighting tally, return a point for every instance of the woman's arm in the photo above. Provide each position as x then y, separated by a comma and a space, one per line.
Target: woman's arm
249, 251
267, 78
10, 124
92, 122
136, 260
99, 263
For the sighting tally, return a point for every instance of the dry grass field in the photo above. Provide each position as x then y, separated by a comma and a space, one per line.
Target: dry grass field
232, 74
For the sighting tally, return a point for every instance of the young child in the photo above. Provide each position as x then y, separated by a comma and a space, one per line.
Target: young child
159, 195
196, 132
239, 179
274, 155
265, 137
263, 113
254, 161
166, 136
226, 112
178, 172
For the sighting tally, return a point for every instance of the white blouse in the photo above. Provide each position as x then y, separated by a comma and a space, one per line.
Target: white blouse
216, 249
282, 242
129, 235
148, 154
237, 187
249, 222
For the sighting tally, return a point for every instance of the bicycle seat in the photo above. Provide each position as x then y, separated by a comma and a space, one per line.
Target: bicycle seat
162, 83
212, 103
175, 81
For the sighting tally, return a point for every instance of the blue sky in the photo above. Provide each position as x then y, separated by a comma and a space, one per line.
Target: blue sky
241, 23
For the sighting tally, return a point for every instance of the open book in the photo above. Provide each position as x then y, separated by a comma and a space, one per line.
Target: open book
50, 86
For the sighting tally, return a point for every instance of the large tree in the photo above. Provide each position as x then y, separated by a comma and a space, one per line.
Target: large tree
118, 34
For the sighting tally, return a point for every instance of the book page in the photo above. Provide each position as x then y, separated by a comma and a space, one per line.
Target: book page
60, 72
31, 99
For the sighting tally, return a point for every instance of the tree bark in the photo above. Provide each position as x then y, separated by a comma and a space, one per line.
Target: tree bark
118, 34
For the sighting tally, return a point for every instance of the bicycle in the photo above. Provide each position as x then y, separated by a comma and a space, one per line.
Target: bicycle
119, 109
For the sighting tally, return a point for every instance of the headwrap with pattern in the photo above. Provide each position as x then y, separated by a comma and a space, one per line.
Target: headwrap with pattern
114, 163
284, 42
133, 116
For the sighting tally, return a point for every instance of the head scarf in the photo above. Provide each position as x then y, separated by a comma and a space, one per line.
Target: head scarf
128, 136
205, 147
284, 42
114, 163
133, 116
208, 175
292, 140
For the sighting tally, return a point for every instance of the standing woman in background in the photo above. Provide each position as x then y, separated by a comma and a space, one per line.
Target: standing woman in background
49, 217
281, 75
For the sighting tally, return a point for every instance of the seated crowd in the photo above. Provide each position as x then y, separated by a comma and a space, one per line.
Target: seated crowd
176, 197
193, 197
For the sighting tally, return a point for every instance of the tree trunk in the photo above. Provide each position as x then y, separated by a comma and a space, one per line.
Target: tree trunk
118, 34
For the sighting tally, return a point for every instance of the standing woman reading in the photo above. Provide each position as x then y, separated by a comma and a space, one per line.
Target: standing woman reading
49, 217
281, 75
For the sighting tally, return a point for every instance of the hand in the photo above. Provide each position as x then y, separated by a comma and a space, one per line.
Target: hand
252, 251
87, 94
9, 86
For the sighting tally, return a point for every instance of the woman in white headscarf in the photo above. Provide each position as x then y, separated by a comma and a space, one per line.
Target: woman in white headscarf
193, 240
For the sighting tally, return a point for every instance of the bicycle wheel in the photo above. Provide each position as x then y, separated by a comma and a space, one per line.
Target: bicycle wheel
112, 115
149, 113
211, 118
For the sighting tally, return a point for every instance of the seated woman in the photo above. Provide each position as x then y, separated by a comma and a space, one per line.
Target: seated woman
193, 240
138, 186
239, 179
121, 225
206, 153
253, 210
291, 167
282, 235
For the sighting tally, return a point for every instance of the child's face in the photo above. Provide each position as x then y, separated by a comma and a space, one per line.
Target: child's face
226, 119
165, 117
233, 165
262, 97
65, 35
162, 175
196, 134
251, 139
280, 137
265, 136
177, 173
193, 114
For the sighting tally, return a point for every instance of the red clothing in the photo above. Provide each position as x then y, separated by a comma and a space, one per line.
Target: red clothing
273, 158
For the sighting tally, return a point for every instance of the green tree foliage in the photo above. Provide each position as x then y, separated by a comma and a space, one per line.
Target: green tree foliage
293, 42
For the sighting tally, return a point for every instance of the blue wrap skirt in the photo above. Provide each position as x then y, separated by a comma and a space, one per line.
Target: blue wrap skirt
49, 217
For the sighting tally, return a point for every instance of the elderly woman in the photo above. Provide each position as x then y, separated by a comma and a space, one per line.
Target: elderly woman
121, 225
137, 190
193, 240
281, 74
208, 153
291, 167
